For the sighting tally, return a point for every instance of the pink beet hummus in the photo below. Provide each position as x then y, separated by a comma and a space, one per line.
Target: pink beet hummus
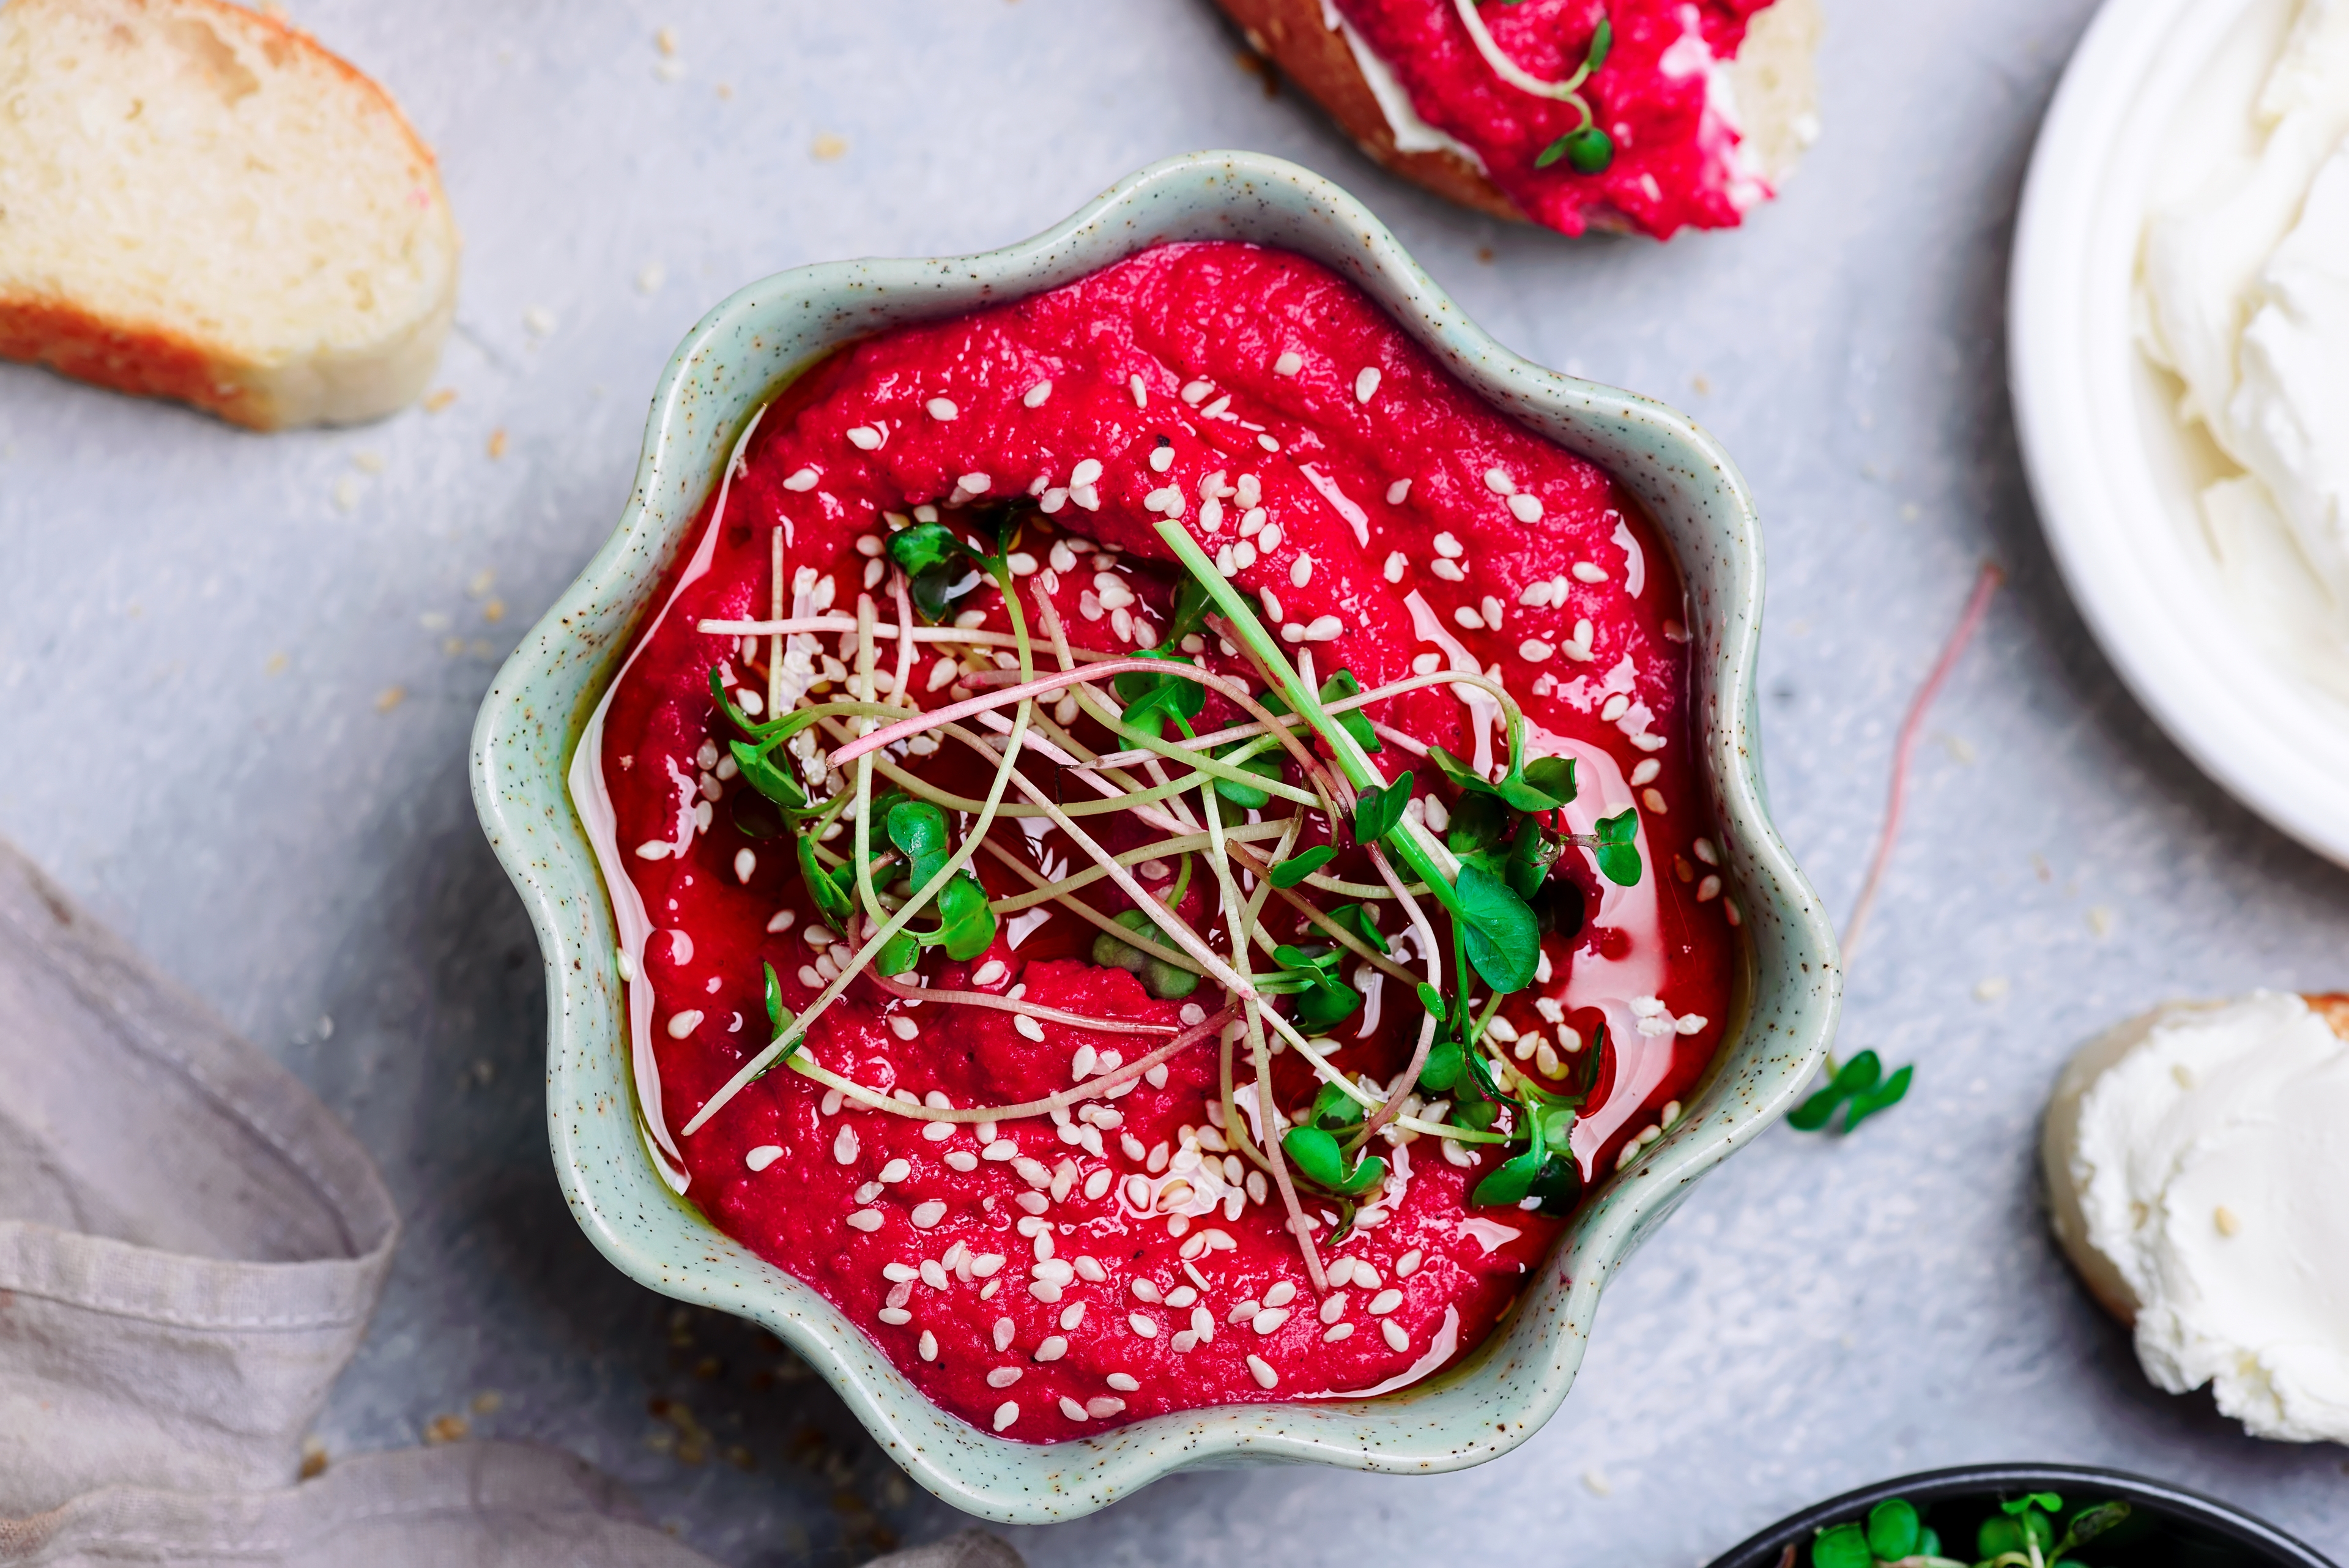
1008, 1269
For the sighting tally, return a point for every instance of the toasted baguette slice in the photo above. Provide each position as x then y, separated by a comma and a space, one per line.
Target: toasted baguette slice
197, 202
2059, 1138
1776, 94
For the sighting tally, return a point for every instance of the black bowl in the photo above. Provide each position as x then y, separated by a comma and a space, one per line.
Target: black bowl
2195, 1531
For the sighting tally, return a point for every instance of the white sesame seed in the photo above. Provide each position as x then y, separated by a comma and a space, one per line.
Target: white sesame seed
1086, 472
1267, 442
1448, 570
1300, 572
1004, 1376
1162, 459
1261, 1370
1072, 1410
781, 921
1337, 1332
895, 1317
1075, 1315
1244, 1311
844, 1147
1281, 1294
865, 1220
1004, 1330
1124, 1382
1142, 1325
1143, 1289
1140, 393
1498, 482
1526, 508
1005, 1414
1385, 1302
903, 1026
1203, 1323
1269, 1319
1392, 1332
1449, 546
941, 408
1645, 773
1586, 572
1081, 1064
681, 1024
1269, 540
1407, 1265
1325, 629
765, 1155
1532, 650
925, 1215
1366, 383
985, 1265
805, 479
865, 438
1466, 617
1271, 602
1036, 394
1102, 1407
1289, 364
991, 972
1001, 1148
1028, 1026
1617, 706
1653, 800
1053, 1349
976, 484
896, 1170
928, 1348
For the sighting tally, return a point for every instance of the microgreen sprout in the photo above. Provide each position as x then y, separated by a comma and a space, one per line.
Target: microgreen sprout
2021, 1535
1859, 1084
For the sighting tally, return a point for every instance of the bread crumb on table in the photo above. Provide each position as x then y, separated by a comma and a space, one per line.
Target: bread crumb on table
828, 147
440, 400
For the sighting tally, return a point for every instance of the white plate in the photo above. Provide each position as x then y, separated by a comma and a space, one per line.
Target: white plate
2115, 478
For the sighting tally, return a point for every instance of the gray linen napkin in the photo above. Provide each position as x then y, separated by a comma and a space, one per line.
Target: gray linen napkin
191, 1247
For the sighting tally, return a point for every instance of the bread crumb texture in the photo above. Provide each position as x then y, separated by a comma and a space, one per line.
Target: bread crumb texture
197, 202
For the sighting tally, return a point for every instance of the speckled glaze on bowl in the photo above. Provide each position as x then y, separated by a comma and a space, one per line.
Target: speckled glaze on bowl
731, 361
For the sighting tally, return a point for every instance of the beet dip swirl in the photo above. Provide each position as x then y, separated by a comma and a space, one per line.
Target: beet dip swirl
1157, 848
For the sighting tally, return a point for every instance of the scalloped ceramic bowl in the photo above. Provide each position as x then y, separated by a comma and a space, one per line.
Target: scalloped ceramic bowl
730, 362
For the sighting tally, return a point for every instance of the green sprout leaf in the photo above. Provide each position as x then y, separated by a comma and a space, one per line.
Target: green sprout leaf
1315, 1156
1504, 940
1356, 918
1376, 810
1334, 1108
774, 1004
1885, 1095
1841, 1546
2046, 1502
830, 902
760, 772
1618, 853
1478, 822
1531, 855
1554, 777
1893, 1529
1264, 764
1461, 776
937, 568
1291, 872
1446, 1064
965, 925
1152, 699
1327, 1005
1508, 1182
1166, 981
1341, 685
1429, 998
918, 829
2092, 1521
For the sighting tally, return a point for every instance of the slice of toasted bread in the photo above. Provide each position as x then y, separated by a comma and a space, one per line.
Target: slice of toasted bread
1772, 78
198, 201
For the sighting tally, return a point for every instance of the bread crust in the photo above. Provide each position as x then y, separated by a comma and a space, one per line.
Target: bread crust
164, 359
1290, 34
2059, 1138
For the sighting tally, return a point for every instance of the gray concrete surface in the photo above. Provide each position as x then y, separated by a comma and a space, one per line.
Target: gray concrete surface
202, 632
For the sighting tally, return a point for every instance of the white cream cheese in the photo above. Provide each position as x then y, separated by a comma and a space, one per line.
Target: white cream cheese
2199, 1171
2244, 296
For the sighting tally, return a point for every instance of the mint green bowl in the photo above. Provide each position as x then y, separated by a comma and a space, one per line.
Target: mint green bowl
531, 722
